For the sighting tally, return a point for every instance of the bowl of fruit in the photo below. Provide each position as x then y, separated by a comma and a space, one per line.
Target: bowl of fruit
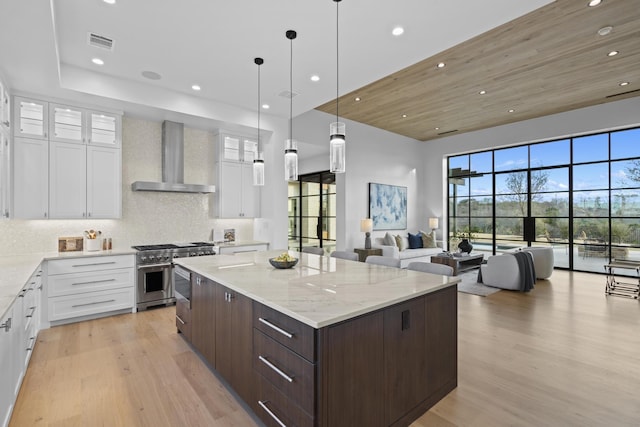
284, 260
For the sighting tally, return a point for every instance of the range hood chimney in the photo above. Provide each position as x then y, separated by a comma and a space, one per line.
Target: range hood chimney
172, 165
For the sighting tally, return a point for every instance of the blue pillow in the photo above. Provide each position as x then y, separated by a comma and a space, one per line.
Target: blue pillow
415, 241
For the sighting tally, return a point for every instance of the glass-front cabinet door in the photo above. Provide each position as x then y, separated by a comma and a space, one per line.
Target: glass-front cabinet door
103, 128
32, 118
67, 123
238, 149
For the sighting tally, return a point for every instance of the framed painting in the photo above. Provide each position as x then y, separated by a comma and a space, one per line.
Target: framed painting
388, 206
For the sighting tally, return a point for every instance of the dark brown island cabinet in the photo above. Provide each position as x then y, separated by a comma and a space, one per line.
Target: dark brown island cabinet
384, 368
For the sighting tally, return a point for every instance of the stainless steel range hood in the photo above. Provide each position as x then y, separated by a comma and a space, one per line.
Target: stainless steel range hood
172, 165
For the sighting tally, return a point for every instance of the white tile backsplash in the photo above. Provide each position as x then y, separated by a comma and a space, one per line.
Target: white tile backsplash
147, 217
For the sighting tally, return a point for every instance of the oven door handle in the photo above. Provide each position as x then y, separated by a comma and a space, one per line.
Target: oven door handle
150, 266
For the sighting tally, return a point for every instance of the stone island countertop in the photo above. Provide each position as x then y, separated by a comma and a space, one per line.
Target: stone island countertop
319, 291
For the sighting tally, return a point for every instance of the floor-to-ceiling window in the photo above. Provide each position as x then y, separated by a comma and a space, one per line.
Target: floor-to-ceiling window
580, 196
312, 212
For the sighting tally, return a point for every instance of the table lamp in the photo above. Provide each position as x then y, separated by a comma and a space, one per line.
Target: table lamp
433, 225
366, 225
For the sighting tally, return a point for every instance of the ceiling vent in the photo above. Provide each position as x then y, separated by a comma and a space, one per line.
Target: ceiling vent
448, 132
288, 94
102, 42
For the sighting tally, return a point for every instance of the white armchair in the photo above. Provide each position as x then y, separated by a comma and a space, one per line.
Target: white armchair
501, 271
542, 259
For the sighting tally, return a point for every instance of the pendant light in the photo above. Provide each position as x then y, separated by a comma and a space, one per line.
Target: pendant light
258, 162
337, 141
291, 146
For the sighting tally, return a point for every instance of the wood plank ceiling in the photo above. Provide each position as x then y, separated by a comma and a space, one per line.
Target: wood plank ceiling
546, 62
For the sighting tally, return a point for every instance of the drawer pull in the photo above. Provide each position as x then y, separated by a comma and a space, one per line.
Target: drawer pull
179, 319
93, 281
6, 325
31, 342
33, 310
274, 327
95, 263
93, 303
275, 368
263, 404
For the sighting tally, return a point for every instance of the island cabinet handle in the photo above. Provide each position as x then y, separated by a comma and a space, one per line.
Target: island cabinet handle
179, 319
263, 404
275, 328
276, 369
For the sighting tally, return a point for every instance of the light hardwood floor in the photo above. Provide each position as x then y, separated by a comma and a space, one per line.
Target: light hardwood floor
562, 355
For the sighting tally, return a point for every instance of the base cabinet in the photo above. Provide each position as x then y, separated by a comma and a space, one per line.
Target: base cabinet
385, 368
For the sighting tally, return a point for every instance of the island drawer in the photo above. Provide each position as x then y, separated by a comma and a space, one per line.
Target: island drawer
287, 331
290, 373
275, 409
183, 316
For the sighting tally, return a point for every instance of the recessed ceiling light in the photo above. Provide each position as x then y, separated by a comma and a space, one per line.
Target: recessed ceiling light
482, 92
511, 110
195, 87
441, 64
613, 53
624, 83
315, 78
404, 116
151, 75
397, 31
109, 1
594, 3
605, 30
265, 106
357, 99
97, 61
437, 128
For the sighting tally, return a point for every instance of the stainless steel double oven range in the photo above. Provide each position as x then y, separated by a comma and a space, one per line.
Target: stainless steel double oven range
155, 270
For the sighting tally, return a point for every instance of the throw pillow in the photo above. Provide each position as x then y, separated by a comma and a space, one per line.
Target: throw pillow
389, 240
428, 240
400, 243
415, 241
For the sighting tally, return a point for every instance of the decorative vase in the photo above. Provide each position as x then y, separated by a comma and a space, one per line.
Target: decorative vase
465, 246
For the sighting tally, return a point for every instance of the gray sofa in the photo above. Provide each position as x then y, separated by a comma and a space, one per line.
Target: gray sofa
408, 255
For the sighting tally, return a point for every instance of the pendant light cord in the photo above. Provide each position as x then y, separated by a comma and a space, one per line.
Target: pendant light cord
337, 59
291, 91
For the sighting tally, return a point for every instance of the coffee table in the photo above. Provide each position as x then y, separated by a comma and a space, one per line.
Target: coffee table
459, 263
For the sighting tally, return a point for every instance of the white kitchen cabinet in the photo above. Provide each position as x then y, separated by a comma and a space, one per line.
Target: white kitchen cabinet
31, 118
84, 126
89, 287
5, 175
5, 107
8, 333
18, 332
67, 180
84, 181
236, 196
30, 178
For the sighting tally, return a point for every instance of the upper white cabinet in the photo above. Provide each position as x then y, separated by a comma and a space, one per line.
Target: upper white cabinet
5, 175
67, 161
30, 178
31, 118
237, 148
82, 126
5, 107
235, 196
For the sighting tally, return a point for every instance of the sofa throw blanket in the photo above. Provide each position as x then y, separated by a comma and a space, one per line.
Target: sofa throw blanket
527, 270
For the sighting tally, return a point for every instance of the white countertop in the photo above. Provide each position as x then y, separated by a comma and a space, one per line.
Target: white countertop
319, 290
16, 270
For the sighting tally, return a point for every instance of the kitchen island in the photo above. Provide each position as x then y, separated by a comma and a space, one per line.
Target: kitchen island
329, 342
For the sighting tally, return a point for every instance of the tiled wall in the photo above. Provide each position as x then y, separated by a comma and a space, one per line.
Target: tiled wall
147, 217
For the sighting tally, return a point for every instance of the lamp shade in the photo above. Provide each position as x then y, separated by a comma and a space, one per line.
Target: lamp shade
366, 225
433, 223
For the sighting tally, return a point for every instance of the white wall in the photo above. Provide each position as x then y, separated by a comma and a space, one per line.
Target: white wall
373, 155
613, 115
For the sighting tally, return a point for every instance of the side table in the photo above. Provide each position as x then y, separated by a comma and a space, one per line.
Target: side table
364, 253
614, 286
